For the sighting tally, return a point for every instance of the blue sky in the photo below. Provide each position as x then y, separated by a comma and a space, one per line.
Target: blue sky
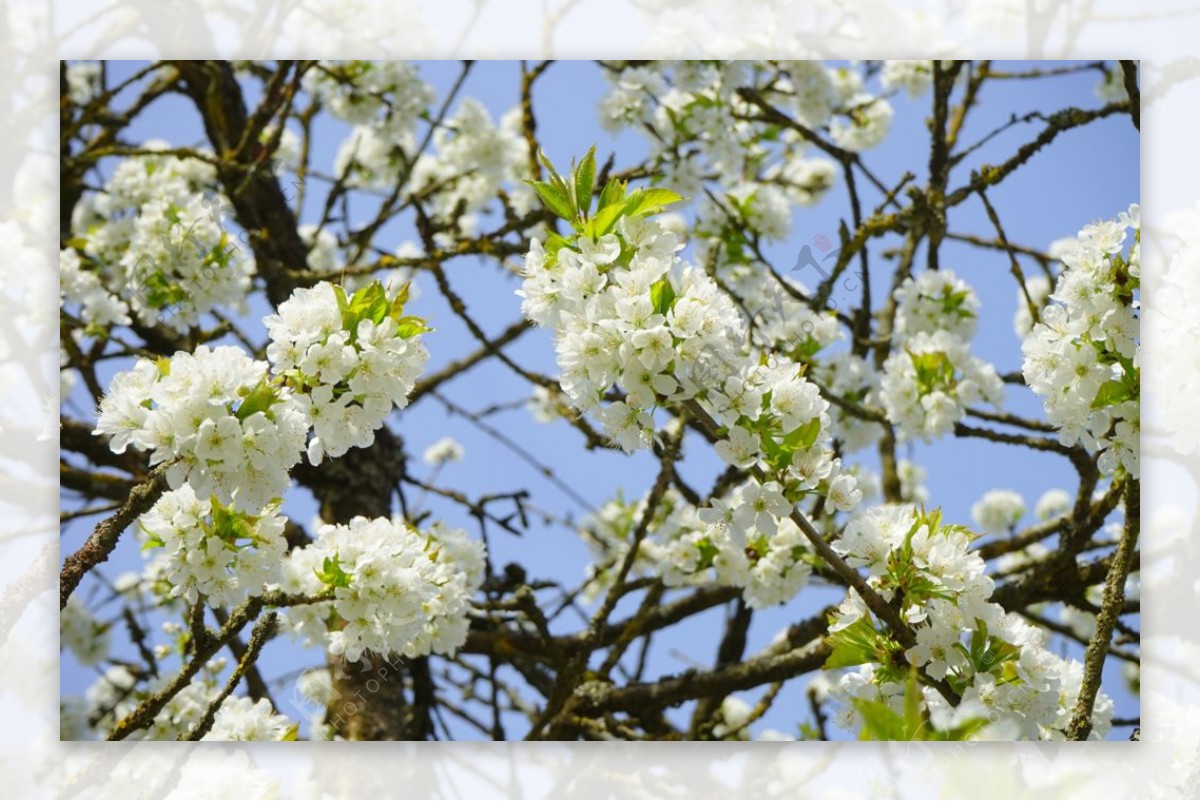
1085, 175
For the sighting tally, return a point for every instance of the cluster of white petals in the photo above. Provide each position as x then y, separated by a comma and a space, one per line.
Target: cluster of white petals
151, 247
998, 511
395, 589
936, 300
1082, 356
745, 541
82, 634
117, 692
700, 130
999, 664
911, 76
931, 378
207, 550
929, 382
216, 417
636, 329
389, 94
354, 359
472, 159
457, 173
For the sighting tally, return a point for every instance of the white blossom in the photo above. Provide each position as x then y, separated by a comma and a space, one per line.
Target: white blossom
1082, 356
446, 449
396, 589
998, 511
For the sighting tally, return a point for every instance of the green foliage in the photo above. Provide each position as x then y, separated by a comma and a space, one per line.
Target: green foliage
708, 552
779, 452
554, 198
1112, 392
881, 722
934, 371
571, 199
644, 202
857, 644
258, 399
159, 291
584, 179
662, 295
372, 303
231, 527
331, 573
952, 303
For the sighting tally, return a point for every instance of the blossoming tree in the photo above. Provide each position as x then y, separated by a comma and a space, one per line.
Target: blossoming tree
250, 325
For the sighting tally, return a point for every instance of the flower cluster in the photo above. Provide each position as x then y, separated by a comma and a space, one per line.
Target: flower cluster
473, 159
998, 511
84, 81
116, 694
395, 589
912, 77
446, 449
1082, 355
936, 300
929, 382
387, 94
151, 247
995, 661
212, 551
82, 634
353, 358
232, 430
637, 329
702, 128
931, 377
216, 417
383, 101
241, 719
736, 542
628, 321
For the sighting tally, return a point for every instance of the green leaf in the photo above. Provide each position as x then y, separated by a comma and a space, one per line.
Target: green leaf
662, 295
585, 181
803, 437
257, 400
409, 327
979, 646
708, 552
649, 201
553, 198
291, 734
331, 573
340, 294
545, 160
1111, 392
880, 721
396, 309
857, 644
612, 194
604, 220
934, 371
368, 303
554, 243
913, 721
229, 526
